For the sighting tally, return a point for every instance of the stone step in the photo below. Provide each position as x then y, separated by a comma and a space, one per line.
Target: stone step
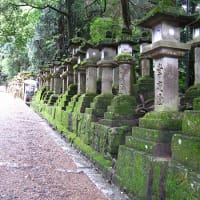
150, 147
153, 134
160, 124
162, 120
186, 150
191, 123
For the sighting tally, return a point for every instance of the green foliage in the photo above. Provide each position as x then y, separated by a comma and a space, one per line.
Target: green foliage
100, 26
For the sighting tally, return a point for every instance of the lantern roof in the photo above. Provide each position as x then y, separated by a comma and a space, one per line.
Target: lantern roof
166, 10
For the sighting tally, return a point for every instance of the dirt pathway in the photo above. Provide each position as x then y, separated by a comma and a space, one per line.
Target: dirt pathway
35, 164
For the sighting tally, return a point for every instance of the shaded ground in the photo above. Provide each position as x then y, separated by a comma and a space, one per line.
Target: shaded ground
35, 164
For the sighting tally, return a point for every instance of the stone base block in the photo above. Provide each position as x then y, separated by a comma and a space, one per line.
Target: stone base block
196, 104
182, 183
118, 123
191, 123
157, 149
186, 150
122, 105
140, 175
83, 102
162, 121
58, 113
153, 134
191, 93
107, 140
72, 103
99, 106
145, 87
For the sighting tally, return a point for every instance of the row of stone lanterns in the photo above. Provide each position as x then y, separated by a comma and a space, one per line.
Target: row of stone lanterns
104, 59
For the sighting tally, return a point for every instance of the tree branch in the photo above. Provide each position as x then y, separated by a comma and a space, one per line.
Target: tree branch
39, 7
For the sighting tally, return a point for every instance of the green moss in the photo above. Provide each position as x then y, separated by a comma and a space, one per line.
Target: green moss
145, 87
167, 7
181, 184
140, 175
116, 137
58, 114
186, 150
193, 91
152, 134
191, 123
196, 104
77, 40
75, 66
99, 105
83, 102
124, 57
141, 145
162, 121
96, 157
121, 105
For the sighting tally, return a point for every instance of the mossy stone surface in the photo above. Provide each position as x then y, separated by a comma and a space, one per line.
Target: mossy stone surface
145, 87
192, 93
152, 134
83, 102
116, 137
196, 103
140, 175
186, 150
162, 121
191, 123
99, 105
182, 183
122, 105
140, 144
72, 103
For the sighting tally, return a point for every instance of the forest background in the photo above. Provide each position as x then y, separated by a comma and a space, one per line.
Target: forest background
32, 33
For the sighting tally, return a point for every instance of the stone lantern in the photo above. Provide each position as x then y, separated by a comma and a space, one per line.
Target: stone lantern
57, 80
125, 61
41, 78
70, 73
92, 56
121, 111
196, 44
107, 63
144, 60
165, 50
51, 70
81, 71
75, 44
63, 76
47, 78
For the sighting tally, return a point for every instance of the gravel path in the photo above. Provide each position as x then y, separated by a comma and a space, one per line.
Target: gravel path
35, 164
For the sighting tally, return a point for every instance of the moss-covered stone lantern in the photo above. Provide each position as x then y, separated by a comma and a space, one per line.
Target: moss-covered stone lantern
125, 62
92, 57
165, 23
80, 68
74, 46
47, 77
56, 75
51, 69
107, 63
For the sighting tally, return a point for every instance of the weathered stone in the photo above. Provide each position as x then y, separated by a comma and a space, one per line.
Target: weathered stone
196, 66
186, 150
125, 78
191, 123
141, 175
91, 80
182, 183
162, 121
166, 84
